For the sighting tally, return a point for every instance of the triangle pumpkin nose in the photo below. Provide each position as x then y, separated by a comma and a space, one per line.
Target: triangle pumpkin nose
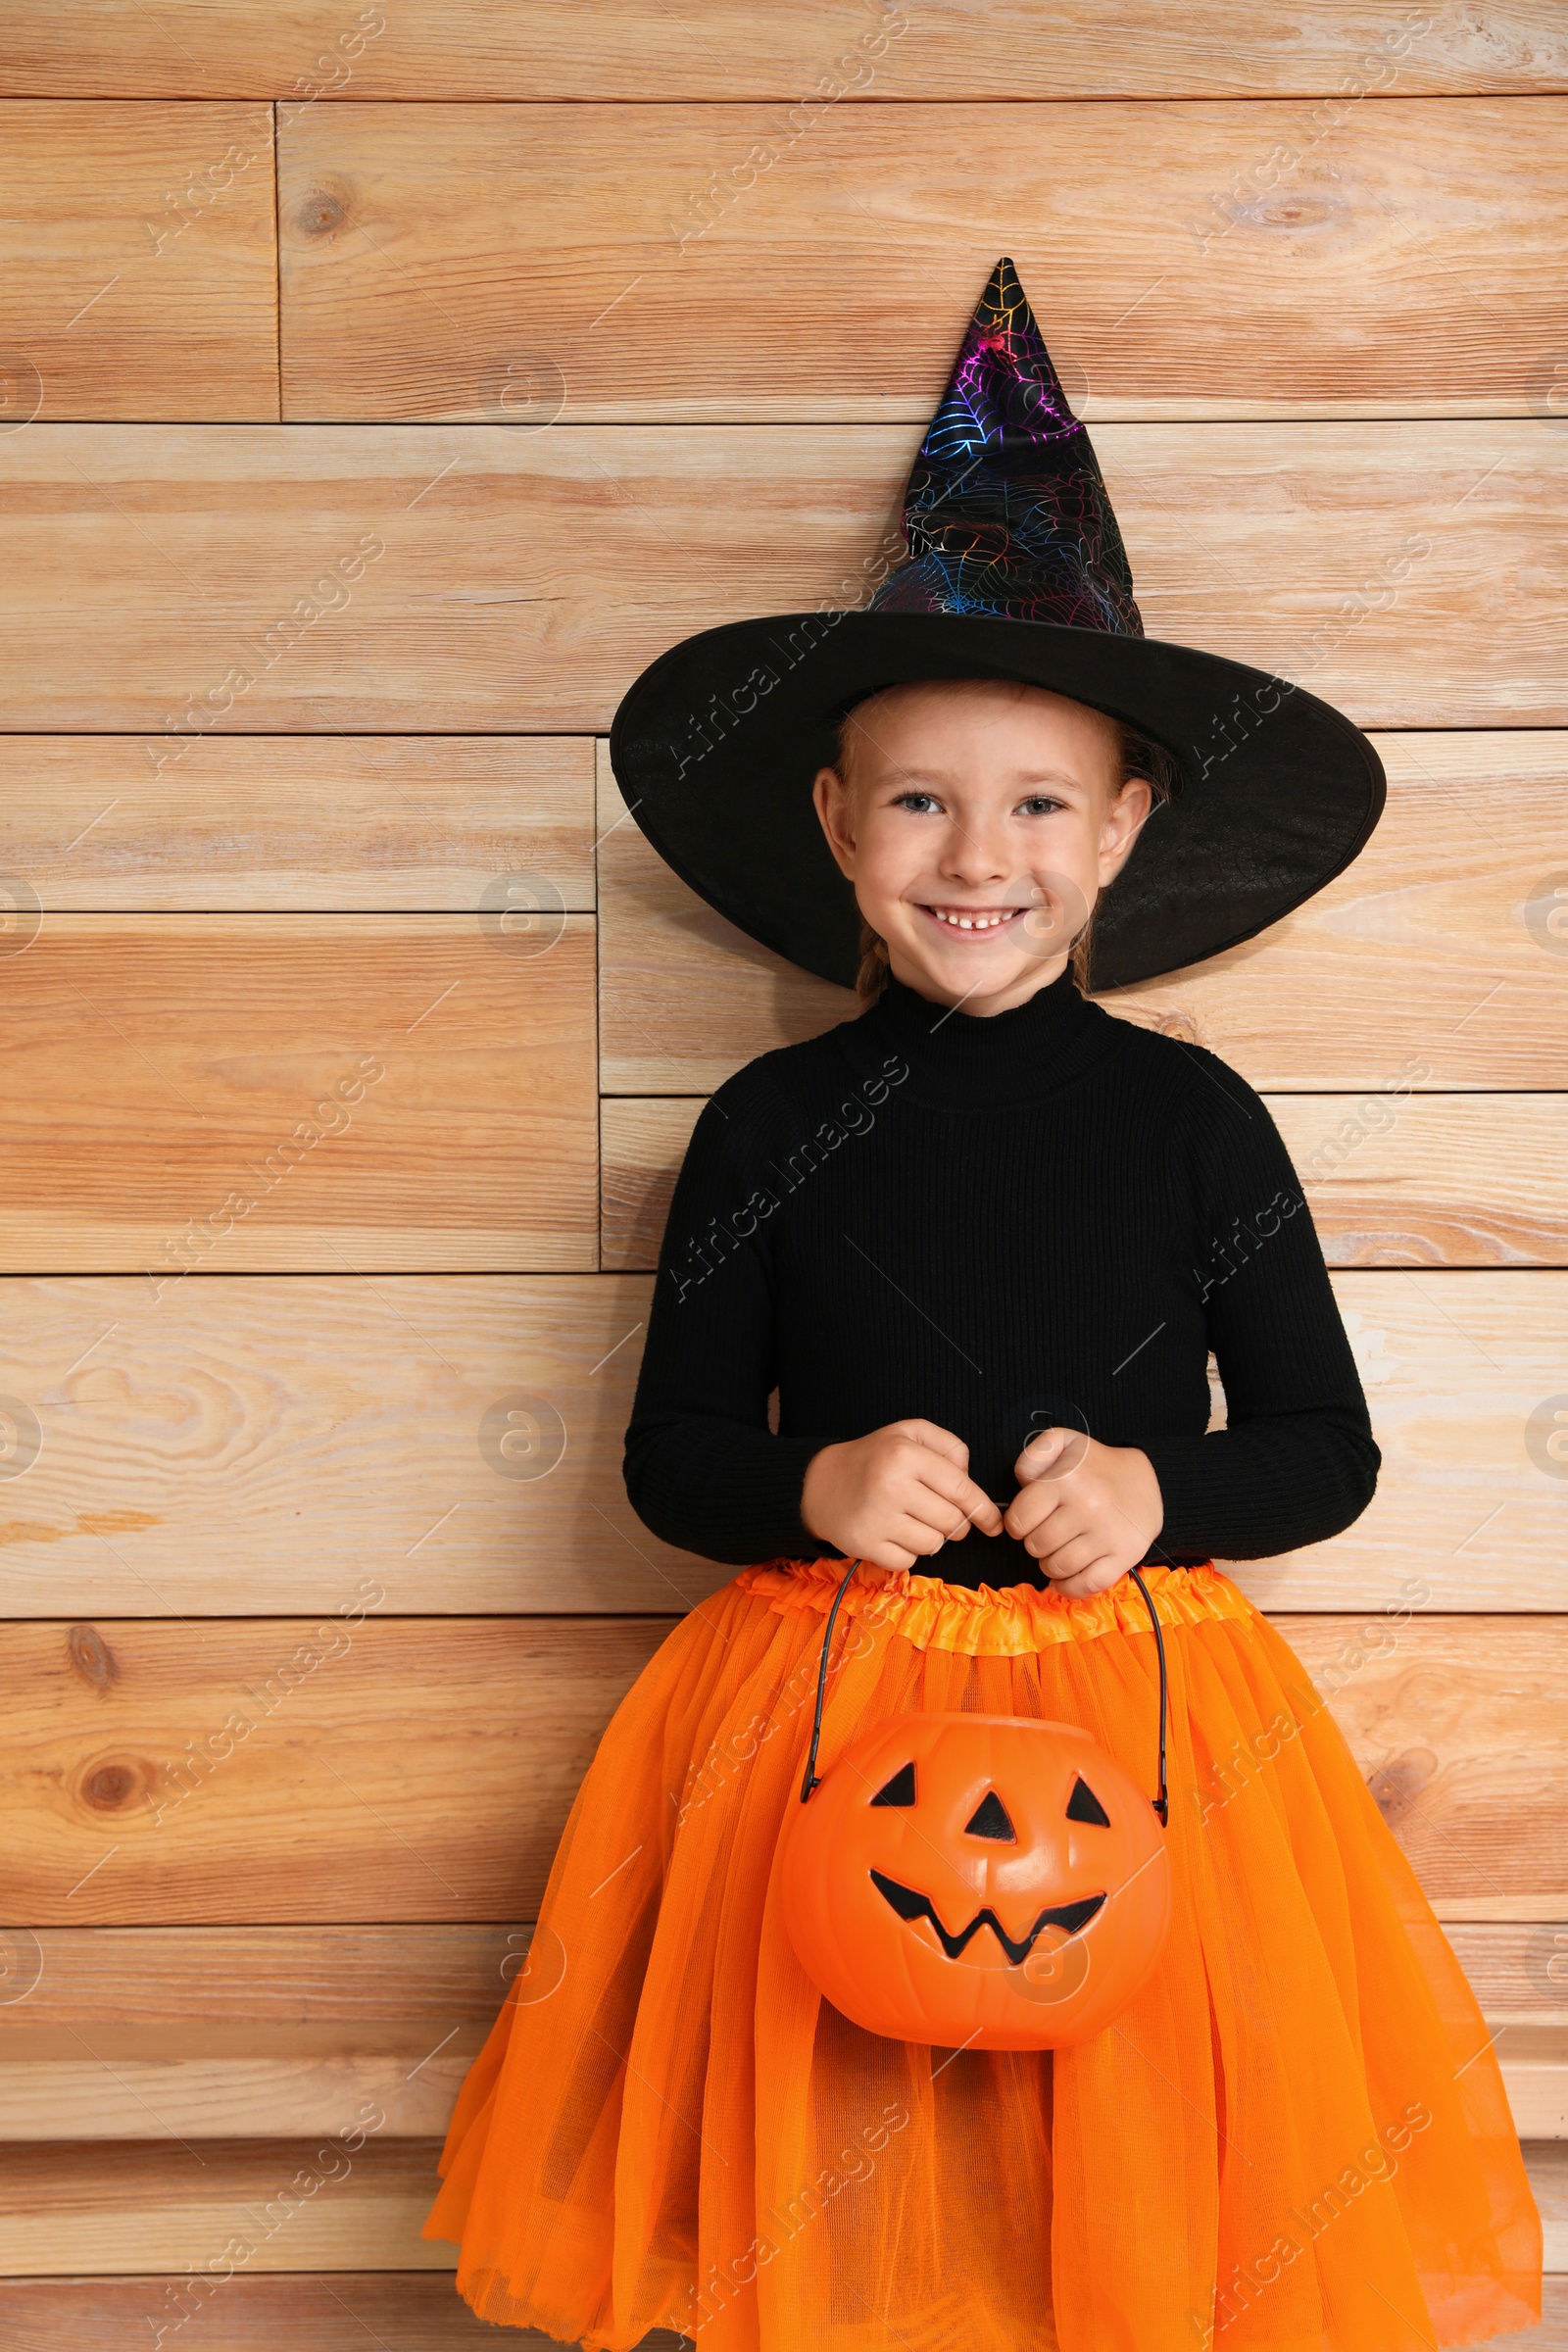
990, 1819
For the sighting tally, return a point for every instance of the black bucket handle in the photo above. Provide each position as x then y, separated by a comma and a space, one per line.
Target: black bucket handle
811, 1779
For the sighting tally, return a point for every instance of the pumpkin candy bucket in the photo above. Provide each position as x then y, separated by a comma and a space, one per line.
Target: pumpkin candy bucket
985, 1881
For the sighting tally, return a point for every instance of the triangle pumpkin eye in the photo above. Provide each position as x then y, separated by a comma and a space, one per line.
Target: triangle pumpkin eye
1085, 1805
900, 1791
990, 1819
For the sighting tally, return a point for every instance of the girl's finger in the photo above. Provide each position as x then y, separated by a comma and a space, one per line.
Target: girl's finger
1053, 1453
978, 1508
936, 1517
954, 1454
939, 1440
917, 1534
960, 1492
1066, 1558
889, 1555
1031, 1507
1088, 1581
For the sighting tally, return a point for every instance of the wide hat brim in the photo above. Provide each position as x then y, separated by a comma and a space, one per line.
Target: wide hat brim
717, 745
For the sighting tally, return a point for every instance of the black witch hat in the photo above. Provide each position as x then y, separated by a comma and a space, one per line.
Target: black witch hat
1015, 570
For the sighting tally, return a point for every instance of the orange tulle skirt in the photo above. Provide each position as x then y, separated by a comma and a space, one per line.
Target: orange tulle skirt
1297, 2136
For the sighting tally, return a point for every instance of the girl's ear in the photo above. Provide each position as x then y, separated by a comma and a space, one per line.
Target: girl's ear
1124, 821
831, 800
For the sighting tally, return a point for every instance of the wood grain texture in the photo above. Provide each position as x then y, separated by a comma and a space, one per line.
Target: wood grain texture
1392, 1179
243, 2206
138, 251
344, 1979
304, 823
1436, 1180
1439, 947
717, 262
233, 1090
1537, 2094
1458, 1725
1518, 1972
83, 2083
1548, 2165
418, 1769
183, 1438
257, 1444
641, 1147
409, 579
395, 2310
261, 2033
360, 1790
1493, 1906
1457, 1368
400, 2311
794, 49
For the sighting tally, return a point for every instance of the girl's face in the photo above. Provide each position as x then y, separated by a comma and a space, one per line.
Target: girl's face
978, 825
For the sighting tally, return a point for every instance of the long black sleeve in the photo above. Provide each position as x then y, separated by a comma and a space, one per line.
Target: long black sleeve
1296, 1458
702, 1468
1046, 1216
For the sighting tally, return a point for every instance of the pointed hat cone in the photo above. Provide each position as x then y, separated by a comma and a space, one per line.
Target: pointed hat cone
1006, 511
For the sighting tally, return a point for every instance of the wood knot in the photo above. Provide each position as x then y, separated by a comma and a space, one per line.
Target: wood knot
1178, 1024
1292, 212
320, 214
1397, 1785
91, 1656
1288, 213
111, 1788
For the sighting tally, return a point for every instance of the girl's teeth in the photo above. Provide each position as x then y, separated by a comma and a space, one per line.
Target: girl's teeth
967, 922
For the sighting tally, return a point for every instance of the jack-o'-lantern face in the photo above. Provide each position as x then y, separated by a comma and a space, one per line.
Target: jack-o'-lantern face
978, 1880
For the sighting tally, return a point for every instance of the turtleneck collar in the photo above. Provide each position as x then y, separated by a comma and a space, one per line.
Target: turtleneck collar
968, 1061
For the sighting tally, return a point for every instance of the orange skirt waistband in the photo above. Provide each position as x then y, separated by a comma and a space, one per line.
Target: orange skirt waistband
985, 1622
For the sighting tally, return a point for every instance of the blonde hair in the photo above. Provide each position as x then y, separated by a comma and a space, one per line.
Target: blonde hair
1137, 755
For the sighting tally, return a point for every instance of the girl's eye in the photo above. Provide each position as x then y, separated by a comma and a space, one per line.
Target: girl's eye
920, 804
1039, 804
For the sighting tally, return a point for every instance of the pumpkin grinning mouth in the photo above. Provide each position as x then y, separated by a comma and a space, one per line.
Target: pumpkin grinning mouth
908, 1905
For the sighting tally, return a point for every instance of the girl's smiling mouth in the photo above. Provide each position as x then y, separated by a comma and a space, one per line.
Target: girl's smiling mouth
973, 918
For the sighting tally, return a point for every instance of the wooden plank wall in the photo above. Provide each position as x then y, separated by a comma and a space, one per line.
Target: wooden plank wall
379, 390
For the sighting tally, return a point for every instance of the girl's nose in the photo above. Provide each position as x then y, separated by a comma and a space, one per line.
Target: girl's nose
974, 854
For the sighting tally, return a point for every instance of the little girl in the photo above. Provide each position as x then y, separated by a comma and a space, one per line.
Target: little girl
932, 1324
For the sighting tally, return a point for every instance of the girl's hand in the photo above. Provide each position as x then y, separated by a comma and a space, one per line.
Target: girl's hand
1086, 1512
897, 1496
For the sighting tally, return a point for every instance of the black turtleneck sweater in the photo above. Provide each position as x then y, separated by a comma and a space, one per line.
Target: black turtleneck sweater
1047, 1216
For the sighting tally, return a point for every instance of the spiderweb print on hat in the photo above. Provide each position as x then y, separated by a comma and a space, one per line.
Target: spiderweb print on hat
1006, 511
